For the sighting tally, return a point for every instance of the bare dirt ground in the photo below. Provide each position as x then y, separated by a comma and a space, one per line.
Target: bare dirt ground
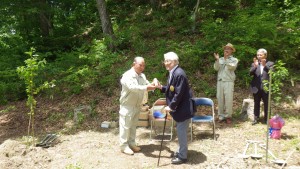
88, 146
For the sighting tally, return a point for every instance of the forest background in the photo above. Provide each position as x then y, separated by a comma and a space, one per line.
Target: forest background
87, 45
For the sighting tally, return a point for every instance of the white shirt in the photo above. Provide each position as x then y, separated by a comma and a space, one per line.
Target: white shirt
171, 72
261, 69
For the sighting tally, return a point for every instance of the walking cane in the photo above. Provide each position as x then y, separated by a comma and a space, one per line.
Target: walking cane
162, 139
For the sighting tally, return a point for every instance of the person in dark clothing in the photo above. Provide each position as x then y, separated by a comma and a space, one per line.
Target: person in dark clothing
178, 96
260, 71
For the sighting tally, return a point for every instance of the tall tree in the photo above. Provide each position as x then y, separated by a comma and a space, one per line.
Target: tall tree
106, 23
195, 15
155, 4
44, 18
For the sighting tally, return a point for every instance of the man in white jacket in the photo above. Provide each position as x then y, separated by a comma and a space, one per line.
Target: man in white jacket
134, 85
225, 86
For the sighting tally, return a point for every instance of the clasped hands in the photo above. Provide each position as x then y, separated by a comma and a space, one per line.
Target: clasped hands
154, 85
262, 62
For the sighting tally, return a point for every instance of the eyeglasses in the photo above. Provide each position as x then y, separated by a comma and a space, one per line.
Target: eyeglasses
167, 61
227, 48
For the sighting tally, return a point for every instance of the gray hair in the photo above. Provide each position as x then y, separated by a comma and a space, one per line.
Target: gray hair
264, 51
171, 56
138, 59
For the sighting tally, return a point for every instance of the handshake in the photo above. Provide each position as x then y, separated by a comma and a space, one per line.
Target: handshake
154, 85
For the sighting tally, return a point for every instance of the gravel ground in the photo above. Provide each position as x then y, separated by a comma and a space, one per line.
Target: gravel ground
99, 149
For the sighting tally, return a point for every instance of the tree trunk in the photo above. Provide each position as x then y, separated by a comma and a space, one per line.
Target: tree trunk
155, 4
194, 16
44, 18
106, 23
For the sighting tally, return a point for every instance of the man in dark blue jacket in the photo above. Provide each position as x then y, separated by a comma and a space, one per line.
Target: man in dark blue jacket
260, 72
178, 96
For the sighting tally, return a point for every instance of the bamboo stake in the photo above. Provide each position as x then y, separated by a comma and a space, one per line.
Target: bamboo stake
268, 114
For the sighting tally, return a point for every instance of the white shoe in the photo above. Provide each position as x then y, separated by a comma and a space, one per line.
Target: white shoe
128, 151
135, 148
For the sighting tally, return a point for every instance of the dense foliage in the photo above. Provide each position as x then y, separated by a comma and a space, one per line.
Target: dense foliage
68, 34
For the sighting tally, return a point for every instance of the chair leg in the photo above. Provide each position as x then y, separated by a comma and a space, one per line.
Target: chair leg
191, 131
151, 130
214, 132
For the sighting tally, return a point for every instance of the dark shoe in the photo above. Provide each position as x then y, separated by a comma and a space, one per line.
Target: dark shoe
221, 120
254, 122
265, 121
177, 160
228, 121
174, 155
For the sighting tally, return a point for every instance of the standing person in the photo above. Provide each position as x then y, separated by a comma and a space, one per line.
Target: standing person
178, 96
134, 85
260, 72
225, 86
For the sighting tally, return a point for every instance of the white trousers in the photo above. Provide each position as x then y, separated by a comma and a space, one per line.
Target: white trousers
129, 116
225, 99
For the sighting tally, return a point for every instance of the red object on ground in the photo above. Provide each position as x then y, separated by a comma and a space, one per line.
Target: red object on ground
276, 123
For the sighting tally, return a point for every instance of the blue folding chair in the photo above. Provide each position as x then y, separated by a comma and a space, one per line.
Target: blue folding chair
209, 118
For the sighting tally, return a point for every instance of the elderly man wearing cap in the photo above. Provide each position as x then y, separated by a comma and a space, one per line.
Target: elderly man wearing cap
225, 86
178, 96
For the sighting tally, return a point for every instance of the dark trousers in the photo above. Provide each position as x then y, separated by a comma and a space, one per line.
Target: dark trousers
261, 95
